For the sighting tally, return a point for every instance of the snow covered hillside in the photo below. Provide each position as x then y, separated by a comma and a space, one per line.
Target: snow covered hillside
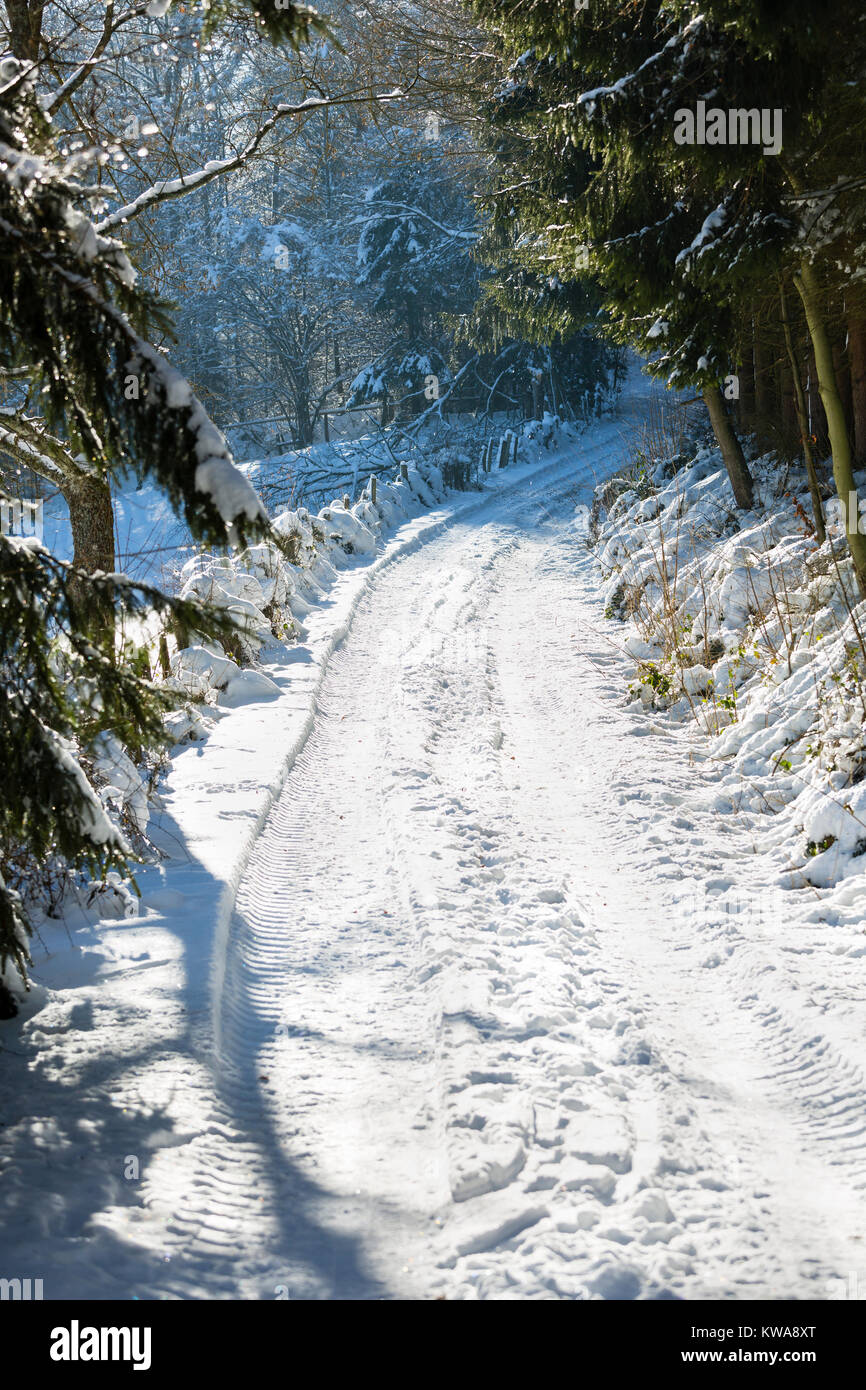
466, 974
743, 627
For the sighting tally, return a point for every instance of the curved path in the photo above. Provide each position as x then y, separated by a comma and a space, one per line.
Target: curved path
488, 1026
505, 1007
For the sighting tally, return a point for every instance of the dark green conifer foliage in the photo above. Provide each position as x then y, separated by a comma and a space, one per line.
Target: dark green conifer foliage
683, 238
74, 346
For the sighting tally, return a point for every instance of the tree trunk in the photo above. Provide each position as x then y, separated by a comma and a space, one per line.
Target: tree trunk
305, 421
764, 394
843, 384
746, 403
792, 427
800, 401
817, 417
843, 469
857, 360
338, 372
25, 27
729, 444
91, 517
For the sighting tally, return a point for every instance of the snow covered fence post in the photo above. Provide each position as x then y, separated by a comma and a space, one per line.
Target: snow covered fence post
504, 450
373, 488
404, 472
513, 458
21, 516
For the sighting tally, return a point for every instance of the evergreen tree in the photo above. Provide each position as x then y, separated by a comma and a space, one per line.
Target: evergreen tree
414, 258
74, 342
687, 218
59, 694
545, 330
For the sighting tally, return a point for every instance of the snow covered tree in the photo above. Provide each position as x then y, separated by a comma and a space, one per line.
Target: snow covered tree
73, 326
92, 400
683, 152
414, 259
145, 50
591, 203
550, 321
275, 300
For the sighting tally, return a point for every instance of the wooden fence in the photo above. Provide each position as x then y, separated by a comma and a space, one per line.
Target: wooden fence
498, 454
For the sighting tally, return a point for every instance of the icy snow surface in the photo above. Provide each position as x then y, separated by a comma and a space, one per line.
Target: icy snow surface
421, 1004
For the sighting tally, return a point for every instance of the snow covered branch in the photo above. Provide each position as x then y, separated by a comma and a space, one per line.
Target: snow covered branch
457, 232
37, 449
215, 168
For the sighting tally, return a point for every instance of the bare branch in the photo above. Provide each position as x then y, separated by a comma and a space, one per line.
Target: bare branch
215, 168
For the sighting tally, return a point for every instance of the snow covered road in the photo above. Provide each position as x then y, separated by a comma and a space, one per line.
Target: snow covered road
485, 1023
465, 961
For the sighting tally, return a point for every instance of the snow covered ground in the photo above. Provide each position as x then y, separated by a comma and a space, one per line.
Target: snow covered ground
422, 1005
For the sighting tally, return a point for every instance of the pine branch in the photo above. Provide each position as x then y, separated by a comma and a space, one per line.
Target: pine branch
39, 450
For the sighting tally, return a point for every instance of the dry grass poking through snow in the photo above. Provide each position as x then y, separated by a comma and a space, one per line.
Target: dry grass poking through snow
740, 621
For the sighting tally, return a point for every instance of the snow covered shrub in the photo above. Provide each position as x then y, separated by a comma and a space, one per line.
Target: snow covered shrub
264, 591
744, 623
457, 470
547, 432
347, 529
450, 461
653, 544
195, 671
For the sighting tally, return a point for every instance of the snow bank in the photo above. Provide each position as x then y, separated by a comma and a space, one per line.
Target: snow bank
279, 597
741, 622
269, 592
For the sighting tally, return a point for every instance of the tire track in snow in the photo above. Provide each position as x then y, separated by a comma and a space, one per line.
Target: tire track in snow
546, 1123
443, 1066
254, 1213
737, 1048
